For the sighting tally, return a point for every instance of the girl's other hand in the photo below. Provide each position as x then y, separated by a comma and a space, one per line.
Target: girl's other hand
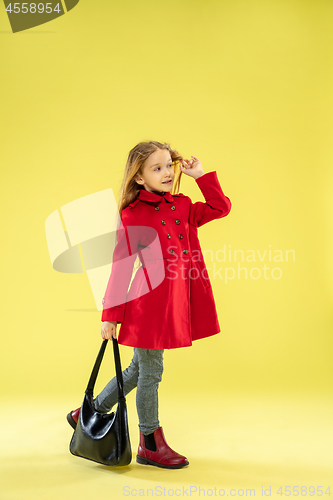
193, 167
109, 330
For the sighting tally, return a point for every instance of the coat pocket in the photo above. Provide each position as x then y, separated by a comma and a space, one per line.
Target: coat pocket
203, 274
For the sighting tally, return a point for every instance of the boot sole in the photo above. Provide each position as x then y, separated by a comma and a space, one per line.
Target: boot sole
147, 461
71, 420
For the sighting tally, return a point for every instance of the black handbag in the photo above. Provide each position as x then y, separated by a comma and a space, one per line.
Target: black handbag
103, 438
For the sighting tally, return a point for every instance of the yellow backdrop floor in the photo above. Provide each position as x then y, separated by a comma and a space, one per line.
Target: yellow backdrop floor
239, 445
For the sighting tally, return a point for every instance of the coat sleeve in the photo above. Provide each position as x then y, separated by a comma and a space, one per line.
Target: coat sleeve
217, 204
124, 256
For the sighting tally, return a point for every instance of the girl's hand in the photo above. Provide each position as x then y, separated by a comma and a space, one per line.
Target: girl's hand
109, 330
193, 167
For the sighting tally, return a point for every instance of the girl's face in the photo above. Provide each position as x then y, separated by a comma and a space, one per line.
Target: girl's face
157, 172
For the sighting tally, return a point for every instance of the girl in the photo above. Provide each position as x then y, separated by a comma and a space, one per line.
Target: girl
170, 302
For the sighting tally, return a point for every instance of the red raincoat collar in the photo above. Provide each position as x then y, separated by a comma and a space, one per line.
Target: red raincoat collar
148, 196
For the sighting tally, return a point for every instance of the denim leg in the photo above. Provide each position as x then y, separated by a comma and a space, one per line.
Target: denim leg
150, 375
108, 397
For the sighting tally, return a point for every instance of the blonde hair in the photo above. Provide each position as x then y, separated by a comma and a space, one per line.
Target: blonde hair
130, 189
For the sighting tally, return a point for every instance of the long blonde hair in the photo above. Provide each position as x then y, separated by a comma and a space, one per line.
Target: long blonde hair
130, 189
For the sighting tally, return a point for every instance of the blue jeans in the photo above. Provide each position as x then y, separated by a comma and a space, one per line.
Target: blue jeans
145, 373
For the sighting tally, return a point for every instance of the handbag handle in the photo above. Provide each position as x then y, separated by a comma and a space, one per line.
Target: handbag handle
95, 370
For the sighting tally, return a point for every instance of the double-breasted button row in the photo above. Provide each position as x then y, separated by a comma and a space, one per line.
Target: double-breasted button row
180, 236
177, 221
184, 251
172, 208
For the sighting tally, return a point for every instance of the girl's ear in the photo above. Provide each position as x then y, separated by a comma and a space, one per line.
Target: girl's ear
138, 179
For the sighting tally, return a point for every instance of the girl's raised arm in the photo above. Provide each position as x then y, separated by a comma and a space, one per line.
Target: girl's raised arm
217, 204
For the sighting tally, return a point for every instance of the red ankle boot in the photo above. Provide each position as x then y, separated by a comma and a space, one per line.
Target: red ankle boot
73, 417
164, 456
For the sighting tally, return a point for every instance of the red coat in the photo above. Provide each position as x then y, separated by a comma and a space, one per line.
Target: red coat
170, 302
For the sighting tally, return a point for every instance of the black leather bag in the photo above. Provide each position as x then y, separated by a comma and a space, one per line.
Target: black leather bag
103, 438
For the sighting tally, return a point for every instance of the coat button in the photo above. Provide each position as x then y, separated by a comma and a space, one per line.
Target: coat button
103, 301
177, 221
157, 208
185, 251
180, 236
172, 251
168, 236
163, 222
173, 207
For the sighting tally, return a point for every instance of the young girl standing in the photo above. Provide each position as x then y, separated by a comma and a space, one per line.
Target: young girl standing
170, 302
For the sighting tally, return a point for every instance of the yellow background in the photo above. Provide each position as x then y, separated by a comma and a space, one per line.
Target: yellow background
246, 86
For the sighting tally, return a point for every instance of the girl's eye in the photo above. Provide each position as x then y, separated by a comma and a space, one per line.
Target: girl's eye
170, 165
